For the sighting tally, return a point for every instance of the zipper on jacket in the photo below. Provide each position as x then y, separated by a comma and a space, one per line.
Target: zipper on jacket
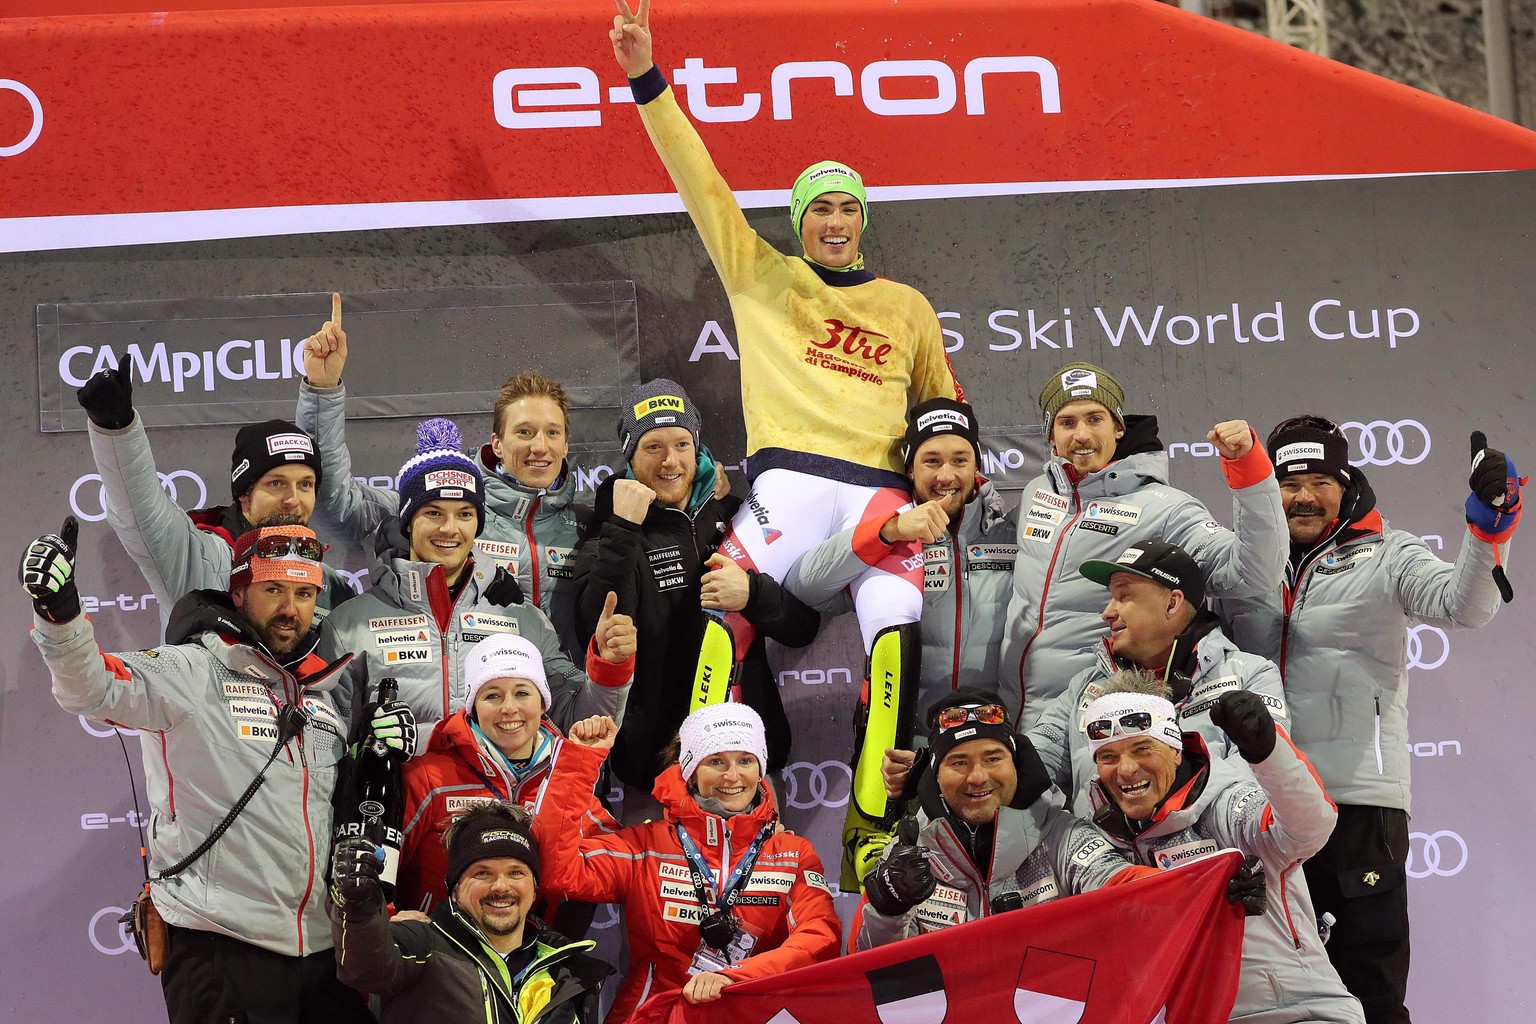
309, 836
1376, 740
1286, 903
957, 581
533, 549
983, 887
1045, 592
650, 976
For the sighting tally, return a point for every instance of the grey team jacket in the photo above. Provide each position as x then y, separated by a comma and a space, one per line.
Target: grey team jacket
1053, 614
207, 711
1338, 629
1216, 666
408, 626
1278, 812
176, 551
967, 577
531, 532
1039, 851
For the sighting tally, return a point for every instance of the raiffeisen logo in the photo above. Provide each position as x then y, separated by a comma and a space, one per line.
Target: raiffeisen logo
521, 96
237, 359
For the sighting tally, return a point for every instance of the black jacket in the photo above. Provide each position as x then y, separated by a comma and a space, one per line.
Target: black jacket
656, 569
444, 971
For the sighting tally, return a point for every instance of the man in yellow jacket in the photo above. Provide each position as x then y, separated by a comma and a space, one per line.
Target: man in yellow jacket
832, 357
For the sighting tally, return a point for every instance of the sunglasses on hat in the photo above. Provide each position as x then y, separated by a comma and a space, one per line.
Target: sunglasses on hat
279, 545
986, 714
1133, 722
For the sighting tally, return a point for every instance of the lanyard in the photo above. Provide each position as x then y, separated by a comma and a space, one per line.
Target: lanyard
704, 878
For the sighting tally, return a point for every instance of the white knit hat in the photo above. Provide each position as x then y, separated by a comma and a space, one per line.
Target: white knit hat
717, 728
1113, 707
504, 656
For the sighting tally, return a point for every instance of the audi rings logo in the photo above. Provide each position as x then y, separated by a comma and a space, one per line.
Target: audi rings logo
103, 730
808, 785
90, 504
1428, 654
108, 934
1380, 443
354, 579
11, 85
1442, 853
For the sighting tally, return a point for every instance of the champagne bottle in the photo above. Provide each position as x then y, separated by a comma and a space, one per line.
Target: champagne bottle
375, 808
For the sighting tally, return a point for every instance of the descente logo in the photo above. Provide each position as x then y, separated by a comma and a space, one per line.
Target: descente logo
521, 97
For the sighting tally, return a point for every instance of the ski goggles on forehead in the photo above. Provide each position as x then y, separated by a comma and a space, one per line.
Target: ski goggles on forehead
1131, 723
986, 714
280, 546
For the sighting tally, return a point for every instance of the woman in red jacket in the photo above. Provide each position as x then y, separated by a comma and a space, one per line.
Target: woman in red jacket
500, 747
715, 893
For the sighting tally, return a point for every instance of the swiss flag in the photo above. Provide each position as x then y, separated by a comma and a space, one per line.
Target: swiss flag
1159, 950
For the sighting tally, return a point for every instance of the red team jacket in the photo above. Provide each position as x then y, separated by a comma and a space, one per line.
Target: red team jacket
453, 772
643, 867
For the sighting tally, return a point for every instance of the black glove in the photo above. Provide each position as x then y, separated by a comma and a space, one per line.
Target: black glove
902, 879
355, 867
1248, 888
394, 726
107, 399
1243, 716
47, 573
503, 589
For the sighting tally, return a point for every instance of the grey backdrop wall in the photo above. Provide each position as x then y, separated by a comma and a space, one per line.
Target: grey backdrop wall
1402, 305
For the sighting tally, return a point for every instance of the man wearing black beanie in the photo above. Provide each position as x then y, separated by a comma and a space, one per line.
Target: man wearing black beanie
1338, 627
985, 812
481, 951
273, 470
969, 540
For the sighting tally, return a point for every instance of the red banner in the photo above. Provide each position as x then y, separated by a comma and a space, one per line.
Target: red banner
1163, 950
219, 124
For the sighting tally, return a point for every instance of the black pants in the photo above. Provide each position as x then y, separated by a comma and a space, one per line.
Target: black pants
1360, 878
213, 979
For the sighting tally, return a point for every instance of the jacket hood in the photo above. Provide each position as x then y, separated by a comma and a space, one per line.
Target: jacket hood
1358, 518
984, 511
508, 496
455, 735
703, 487
682, 808
213, 611
1139, 460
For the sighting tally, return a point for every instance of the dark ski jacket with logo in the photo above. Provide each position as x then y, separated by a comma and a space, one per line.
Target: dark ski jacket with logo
444, 971
207, 707
408, 625
656, 570
1338, 628
967, 577
177, 551
1277, 811
532, 532
1065, 520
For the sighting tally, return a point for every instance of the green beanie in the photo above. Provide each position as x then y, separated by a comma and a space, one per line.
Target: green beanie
819, 179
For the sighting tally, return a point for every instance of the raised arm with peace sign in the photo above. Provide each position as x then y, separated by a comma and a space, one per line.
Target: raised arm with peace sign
631, 38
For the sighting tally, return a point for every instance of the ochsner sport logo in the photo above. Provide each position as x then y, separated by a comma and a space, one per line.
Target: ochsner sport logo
239, 359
